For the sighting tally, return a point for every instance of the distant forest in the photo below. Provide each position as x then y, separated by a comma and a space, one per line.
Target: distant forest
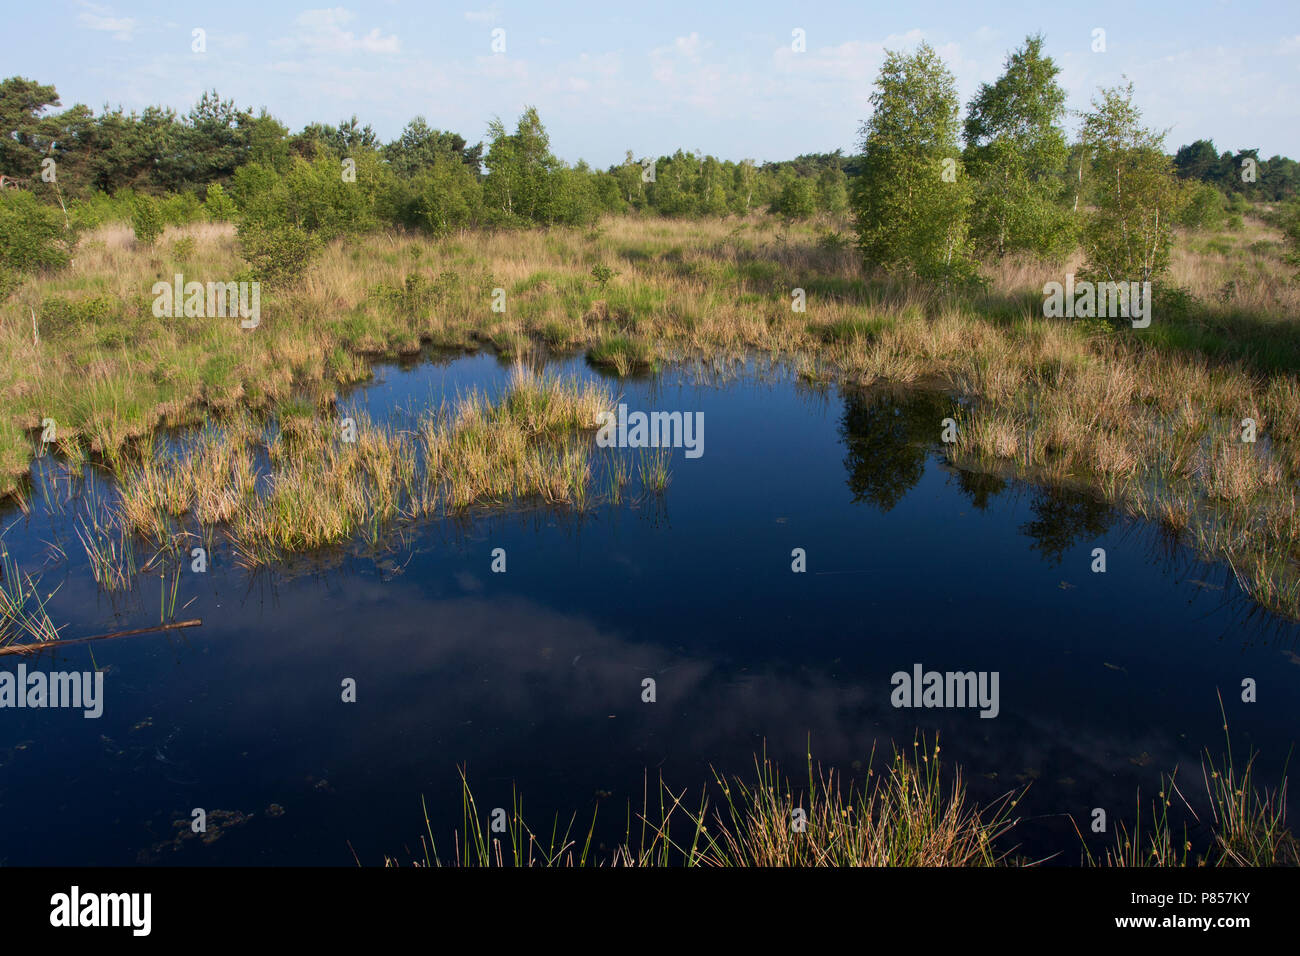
217, 143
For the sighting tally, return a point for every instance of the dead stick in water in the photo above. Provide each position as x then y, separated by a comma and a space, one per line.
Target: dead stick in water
46, 645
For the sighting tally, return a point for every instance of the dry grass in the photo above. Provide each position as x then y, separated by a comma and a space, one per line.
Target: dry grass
1142, 417
321, 488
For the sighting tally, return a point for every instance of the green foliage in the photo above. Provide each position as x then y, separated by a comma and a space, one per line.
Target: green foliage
1174, 304
24, 134
314, 197
797, 199
1276, 178
832, 194
832, 241
602, 274
320, 200
180, 209
33, 236
252, 182
910, 219
183, 249
277, 251
526, 184
1287, 218
100, 209
217, 204
344, 140
1202, 207
420, 147
62, 316
446, 196
519, 165
146, 219
1132, 189
572, 199
239, 162
1016, 153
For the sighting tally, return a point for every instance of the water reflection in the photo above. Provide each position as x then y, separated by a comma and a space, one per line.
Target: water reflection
533, 678
887, 440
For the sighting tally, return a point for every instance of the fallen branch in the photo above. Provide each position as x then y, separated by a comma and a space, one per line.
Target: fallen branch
37, 647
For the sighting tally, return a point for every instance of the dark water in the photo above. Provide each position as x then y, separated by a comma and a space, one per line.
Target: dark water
533, 678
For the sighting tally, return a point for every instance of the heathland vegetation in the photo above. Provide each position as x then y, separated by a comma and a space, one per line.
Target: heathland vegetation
921, 261
365, 249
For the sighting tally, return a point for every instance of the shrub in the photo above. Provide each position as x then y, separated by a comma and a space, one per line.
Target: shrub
446, 196
797, 199
276, 251
99, 208
319, 200
250, 182
180, 209
61, 316
572, 199
219, 206
147, 220
1174, 304
1287, 218
1203, 208
33, 236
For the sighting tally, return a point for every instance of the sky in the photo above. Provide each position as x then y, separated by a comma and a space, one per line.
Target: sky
656, 75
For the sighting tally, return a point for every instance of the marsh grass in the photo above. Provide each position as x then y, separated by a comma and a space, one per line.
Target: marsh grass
110, 548
24, 617
909, 816
1247, 823
311, 487
1144, 418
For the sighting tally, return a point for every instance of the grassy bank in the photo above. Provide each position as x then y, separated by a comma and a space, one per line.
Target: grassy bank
309, 477
1150, 420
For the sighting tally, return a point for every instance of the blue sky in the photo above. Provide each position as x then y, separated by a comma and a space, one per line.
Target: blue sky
654, 76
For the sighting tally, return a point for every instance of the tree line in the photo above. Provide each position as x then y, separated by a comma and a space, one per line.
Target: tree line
425, 177
932, 192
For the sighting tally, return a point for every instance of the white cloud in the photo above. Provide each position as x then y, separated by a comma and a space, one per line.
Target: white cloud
96, 17
681, 72
491, 15
322, 32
